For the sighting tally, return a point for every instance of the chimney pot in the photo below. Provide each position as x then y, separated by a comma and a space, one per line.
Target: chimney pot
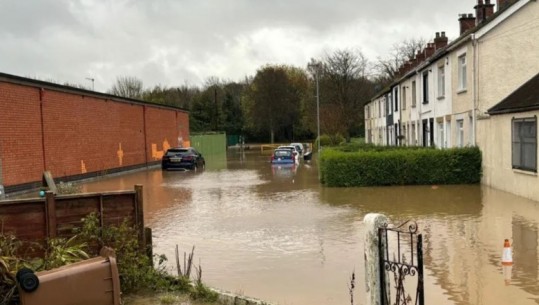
466, 22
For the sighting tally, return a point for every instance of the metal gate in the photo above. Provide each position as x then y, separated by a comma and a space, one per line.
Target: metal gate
401, 265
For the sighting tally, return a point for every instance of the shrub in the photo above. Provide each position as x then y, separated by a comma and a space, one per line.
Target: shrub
374, 166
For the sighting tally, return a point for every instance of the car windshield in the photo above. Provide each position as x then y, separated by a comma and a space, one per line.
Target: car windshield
282, 153
287, 147
173, 152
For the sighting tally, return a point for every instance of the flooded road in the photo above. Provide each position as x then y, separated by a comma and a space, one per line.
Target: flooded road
278, 235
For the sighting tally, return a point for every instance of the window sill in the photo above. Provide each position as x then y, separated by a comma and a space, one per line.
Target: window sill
462, 91
441, 97
524, 172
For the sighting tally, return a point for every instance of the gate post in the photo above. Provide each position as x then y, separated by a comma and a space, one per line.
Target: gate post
372, 222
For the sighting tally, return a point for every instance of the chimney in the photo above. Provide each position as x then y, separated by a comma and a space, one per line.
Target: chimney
489, 9
429, 50
483, 10
467, 21
419, 57
440, 41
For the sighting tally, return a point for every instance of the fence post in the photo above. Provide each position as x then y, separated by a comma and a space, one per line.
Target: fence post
372, 222
50, 212
139, 215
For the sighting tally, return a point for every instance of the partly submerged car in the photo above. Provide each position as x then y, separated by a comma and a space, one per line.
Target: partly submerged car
291, 148
283, 156
299, 147
182, 157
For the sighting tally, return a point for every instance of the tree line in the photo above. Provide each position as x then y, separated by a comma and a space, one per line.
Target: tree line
278, 103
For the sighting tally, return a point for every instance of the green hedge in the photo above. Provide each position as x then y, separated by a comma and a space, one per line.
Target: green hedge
400, 166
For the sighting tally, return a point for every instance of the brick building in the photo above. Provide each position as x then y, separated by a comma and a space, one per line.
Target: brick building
76, 133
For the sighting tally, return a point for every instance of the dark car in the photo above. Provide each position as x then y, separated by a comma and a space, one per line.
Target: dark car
180, 157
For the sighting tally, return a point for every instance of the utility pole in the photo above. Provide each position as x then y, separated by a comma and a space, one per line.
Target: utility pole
92, 80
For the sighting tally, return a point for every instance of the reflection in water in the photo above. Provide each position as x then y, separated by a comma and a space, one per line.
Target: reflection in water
276, 234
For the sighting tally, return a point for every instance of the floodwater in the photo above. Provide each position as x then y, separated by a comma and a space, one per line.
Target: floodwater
278, 235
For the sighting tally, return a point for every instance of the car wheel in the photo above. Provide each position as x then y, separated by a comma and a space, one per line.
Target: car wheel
194, 166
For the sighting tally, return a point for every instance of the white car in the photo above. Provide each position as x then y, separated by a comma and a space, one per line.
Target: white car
301, 149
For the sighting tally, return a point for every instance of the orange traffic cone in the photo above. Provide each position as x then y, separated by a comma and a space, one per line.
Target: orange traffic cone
507, 255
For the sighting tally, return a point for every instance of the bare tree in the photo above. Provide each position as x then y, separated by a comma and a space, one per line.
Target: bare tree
127, 86
346, 89
387, 67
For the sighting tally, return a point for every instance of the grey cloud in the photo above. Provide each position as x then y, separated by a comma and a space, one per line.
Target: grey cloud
169, 42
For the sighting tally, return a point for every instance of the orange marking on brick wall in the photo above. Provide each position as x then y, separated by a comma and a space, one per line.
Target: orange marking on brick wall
83, 167
120, 154
166, 146
158, 154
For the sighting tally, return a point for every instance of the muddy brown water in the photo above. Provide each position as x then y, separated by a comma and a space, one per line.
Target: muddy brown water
278, 235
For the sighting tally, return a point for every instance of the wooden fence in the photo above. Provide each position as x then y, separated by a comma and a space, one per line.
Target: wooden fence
57, 215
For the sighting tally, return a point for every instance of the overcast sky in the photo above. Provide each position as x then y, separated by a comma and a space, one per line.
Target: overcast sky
175, 42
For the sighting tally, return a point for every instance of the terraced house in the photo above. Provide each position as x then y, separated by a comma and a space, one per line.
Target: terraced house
480, 89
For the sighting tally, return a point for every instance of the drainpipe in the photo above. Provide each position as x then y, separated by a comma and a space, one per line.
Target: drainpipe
418, 104
475, 47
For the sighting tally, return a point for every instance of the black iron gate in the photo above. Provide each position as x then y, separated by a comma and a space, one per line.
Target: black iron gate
401, 258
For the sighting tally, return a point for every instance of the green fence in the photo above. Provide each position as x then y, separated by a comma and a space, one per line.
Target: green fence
212, 147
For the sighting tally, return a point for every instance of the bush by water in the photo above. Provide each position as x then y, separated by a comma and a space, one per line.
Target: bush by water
367, 165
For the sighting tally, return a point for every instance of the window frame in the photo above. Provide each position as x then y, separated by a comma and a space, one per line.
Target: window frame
441, 82
522, 144
462, 72
425, 82
396, 98
460, 132
403, 97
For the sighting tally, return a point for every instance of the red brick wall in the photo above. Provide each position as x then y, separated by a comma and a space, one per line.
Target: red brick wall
20, 134
81, 134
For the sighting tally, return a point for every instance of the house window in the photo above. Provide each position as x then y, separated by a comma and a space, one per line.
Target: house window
460, 133
404, 98
414, 95
441, 81
396, 97
525, 144
425, 87
462, 72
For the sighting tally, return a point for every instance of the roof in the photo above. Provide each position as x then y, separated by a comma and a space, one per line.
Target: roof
523, 99
14, 79
464, 37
